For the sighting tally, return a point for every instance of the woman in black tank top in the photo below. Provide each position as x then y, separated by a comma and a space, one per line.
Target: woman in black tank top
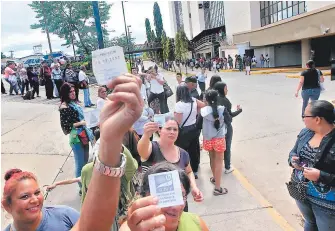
164, 149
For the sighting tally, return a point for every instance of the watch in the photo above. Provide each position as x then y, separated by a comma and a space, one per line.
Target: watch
107, 170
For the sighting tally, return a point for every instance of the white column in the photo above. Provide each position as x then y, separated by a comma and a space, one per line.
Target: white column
305, 51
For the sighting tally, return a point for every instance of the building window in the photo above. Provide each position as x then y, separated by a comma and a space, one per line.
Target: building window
179, 15
213, 14
273, 11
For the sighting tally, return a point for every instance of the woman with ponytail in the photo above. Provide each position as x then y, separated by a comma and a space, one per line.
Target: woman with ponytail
23, 200
214, 131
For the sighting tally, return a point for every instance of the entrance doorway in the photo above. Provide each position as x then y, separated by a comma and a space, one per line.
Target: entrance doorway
324, 48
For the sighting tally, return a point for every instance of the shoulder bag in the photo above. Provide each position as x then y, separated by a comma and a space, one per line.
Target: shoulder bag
187, 134
167, 90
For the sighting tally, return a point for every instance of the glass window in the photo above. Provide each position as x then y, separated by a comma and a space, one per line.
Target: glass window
271, 18
289, 12
284, 4
270, 10
275, 18
295, 10
262, 13
262, 4
301, 7
284, 13
289, 3
263, 21
266, 3
275, 8
280, 15
295, 2
266, 20
279, 6
266, 11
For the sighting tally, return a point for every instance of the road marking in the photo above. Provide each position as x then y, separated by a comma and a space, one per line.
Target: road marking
279, 219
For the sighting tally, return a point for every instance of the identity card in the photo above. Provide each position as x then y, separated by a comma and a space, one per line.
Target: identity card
167, 188
160, 119
108, 63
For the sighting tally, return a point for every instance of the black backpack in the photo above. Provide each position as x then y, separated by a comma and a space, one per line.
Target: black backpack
28, 95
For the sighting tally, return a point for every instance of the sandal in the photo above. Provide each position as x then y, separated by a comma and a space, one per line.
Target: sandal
212, 180
220, 191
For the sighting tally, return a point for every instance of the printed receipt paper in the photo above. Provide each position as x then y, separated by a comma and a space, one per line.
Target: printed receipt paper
108, 63
167, 188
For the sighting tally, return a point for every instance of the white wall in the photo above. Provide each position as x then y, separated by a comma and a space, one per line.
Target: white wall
172, 15
237, 16
197, 18
313, 5
186, 22
255, 15
232, 52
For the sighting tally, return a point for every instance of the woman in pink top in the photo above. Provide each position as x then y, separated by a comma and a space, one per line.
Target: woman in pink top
11, 78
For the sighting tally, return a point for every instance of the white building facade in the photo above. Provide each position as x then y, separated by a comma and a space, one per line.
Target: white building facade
285, 30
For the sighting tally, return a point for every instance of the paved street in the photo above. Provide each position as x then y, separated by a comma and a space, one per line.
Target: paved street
264, 133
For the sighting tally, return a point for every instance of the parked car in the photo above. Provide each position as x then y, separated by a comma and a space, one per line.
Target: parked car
32, 63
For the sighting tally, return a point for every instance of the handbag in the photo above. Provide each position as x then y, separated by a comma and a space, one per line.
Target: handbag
322, 87
74, 139
83, 136
187, 134
296, 189
42, 82
167, 90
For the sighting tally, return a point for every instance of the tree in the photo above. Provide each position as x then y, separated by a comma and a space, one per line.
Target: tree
148, 30
72, 21
158, 21
3, 56
122, 42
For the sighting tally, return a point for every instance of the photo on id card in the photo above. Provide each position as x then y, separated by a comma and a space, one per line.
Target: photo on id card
166, 187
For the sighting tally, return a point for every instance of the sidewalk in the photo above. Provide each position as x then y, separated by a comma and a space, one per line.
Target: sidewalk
32, 140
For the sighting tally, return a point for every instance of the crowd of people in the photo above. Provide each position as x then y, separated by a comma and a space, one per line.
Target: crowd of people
27, 81
114, 185
239, 62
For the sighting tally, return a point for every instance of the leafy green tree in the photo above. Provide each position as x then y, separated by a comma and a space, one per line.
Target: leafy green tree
3, 56
122, 42
158, 21
72, 21
148, 30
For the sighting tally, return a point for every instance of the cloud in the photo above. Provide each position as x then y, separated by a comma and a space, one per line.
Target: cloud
17, 17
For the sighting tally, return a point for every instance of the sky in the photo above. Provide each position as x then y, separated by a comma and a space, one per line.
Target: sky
17, 16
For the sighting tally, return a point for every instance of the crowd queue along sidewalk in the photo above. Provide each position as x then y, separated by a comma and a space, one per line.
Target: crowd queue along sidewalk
139, 138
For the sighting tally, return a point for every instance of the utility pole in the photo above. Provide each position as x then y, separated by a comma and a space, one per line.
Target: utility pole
11, 54
125, 28
98, 24
46, 26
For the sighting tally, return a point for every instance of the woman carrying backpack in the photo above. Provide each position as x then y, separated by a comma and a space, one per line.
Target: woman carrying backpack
214, 131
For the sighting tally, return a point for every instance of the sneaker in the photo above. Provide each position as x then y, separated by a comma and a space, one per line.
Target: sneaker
230, 170
220, 191
92, 104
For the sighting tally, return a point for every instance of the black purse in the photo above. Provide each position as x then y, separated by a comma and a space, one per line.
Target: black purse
297, 190
167, 90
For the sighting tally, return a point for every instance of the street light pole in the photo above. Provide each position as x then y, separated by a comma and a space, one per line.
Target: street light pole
125, 28
98, 24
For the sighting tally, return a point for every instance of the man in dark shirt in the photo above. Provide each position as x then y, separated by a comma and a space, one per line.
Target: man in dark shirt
191, 83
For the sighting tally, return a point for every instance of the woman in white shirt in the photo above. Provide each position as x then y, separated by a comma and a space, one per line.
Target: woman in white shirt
102, 95
83, 80
157, 90
186, 111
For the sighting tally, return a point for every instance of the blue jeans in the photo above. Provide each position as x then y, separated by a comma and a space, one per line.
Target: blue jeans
309, 94
12, 86
87, 100
81, 153
316, 218
227, 153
